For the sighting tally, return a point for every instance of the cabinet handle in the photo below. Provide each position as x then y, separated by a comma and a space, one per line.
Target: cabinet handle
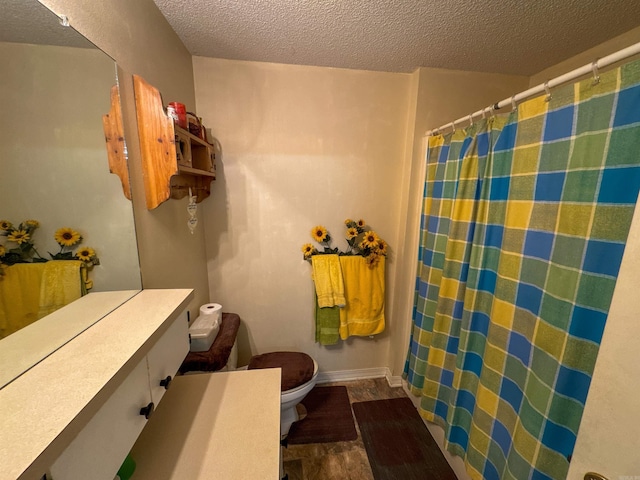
165, 382
147, 411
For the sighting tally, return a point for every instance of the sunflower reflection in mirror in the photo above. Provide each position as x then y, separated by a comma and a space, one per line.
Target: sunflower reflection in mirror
25, 251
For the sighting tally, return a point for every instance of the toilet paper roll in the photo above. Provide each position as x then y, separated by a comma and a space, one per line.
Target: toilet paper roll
210, 309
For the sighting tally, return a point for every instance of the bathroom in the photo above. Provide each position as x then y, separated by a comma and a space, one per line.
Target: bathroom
289, 135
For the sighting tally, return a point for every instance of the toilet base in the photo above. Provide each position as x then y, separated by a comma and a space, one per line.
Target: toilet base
287, 417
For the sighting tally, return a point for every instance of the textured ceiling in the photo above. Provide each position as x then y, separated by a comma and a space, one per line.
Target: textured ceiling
503, 36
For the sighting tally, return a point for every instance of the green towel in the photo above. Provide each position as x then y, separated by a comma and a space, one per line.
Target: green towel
327, 324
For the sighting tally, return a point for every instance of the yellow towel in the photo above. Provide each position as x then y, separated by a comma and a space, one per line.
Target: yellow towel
19, 296
327, 276
364, 291
62, 283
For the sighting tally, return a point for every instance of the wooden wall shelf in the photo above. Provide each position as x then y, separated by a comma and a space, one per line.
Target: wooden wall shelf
173, 160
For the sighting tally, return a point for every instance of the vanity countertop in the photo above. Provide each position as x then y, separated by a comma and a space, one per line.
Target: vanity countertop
26, 347
43, 410
214, 425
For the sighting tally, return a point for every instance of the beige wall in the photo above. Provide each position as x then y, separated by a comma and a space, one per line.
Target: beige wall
140, 40
301, 146
137, 37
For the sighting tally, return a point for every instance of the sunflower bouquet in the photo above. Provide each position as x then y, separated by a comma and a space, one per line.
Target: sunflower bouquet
361, 240
25, 251
22, 236
68, 237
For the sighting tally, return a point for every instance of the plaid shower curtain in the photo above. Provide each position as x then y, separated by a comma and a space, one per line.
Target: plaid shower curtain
524, 224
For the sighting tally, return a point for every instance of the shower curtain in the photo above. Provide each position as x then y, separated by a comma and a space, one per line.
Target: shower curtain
524, 223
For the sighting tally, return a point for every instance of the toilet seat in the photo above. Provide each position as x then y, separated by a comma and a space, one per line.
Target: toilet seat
297, 368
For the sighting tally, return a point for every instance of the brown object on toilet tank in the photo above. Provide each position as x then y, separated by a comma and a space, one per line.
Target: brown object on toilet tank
218, 355
297, 367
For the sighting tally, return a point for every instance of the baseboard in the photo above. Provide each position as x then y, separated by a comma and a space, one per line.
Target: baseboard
360, 374
395, 381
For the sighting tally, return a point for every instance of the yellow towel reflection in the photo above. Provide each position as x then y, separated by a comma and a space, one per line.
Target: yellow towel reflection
30, 291
62, 283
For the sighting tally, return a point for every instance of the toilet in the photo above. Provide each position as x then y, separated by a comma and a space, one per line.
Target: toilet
299, 376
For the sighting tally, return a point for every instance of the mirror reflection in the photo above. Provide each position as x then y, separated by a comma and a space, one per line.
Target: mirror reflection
67, 228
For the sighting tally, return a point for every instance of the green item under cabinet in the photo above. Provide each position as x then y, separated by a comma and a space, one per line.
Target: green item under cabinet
127, 468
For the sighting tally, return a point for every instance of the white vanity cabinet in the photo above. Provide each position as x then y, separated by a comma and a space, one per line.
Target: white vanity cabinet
166, 356
76, 414
98, 450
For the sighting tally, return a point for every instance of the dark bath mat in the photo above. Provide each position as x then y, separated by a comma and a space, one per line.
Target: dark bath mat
329, 418
398, 443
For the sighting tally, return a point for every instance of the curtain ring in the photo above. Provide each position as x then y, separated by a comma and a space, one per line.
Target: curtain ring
471, 120
596, 75
514, 105
548, 91
453, 126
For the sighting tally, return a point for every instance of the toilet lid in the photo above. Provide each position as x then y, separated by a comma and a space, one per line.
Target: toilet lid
297, 368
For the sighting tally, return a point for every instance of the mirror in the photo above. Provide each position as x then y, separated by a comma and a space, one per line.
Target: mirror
54, 90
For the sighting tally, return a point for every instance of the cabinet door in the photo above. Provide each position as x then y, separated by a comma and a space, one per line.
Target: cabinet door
167, 355
101, 446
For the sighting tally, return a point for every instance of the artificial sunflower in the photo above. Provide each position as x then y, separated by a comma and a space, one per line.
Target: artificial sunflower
308, 250
352, 233
3, 251
319, 234
370, 240
66, 237
5, 225
32, 223
18, 236
372, 260
361, 223
348, 222
85, 254
382, 247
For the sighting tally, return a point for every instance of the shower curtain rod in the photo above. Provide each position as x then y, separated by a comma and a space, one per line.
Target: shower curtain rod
591, 68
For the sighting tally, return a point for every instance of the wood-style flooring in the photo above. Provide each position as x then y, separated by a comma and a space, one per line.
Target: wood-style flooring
339, 460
